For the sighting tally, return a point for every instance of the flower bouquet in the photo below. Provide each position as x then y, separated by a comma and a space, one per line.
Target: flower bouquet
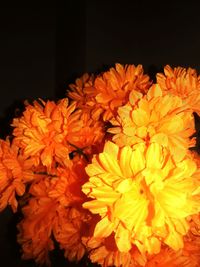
108, 172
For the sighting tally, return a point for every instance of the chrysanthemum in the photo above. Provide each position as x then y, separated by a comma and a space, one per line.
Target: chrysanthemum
188, 256
167, 257
15, 172
156, 118
45, 129
108, 91
36, 227
69, 228
114, 86
65, 184
182, 82
83, 93
142, 196
54, 208
105, 252
90, 136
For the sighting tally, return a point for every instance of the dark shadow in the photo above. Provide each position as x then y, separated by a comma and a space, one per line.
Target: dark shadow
13, 111
70, 45
152, 70
197, 134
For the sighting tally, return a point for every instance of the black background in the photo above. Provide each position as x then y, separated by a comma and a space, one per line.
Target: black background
43, 49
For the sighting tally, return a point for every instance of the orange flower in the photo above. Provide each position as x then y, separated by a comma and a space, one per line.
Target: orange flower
15, 172
156, 118
36, 228
90, 136
182, 82
69, 228
45, 129
142, 196
189, 256
110, 90
65, 186
167, 257
83, 93
54, 208
105, 252
114, 86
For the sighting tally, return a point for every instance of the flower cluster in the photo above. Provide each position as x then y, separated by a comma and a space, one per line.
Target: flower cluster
110, 171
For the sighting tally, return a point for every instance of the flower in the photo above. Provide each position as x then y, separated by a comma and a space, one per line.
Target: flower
156, 118
54, 209
188, 256
109, 90
182, 82
167, 257
105, 252
70, 227
44, 130
15, 172
114, 86
83, 93
142, 196
109, 173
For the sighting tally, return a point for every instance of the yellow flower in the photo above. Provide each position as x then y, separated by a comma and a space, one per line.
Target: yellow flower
182, 82
156, 118
142, 196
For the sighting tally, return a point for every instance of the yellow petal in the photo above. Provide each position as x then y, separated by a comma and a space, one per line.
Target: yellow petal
137, 162
154, 156
125, 157
123, 239
154, 91
103, 228
95, 206
140, 117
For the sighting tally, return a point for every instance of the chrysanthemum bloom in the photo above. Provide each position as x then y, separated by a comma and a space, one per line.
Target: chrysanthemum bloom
89, 137
69, 228
15, 172
105, 252
182, 82
83, 93
168, 257
110, 90
45, 129
36, 228
54, 208
188, 256
142, 195
114, 86
155, 118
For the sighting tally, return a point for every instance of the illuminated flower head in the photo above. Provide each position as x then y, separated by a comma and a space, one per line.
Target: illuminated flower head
15, 172
182, 82
109, 90
142, 196
45, 129
53, 209
83, 93
105, 252
110, 173
156, 118
114, 86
